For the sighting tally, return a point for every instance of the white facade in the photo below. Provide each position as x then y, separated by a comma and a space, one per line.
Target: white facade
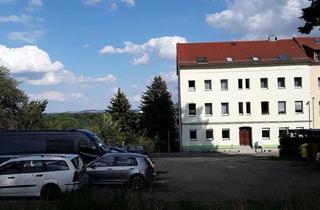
258, 123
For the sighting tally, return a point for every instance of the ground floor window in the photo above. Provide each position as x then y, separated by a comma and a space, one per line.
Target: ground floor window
193, 135
266, 133
209, 134
283, 131
225, 134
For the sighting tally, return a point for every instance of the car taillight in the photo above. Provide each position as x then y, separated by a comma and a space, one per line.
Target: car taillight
76, 176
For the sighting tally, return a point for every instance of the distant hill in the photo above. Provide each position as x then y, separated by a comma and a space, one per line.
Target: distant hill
78, 112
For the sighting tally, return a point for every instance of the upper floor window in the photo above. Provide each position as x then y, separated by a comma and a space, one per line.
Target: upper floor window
247, 83
225, 108
298, 82
224, 84
192, 110
248, 108
255, 59
207, 85
318, 82
264, 83
240, 83
282, 107
299, 107
192, 85
229, 60
240, 106
264, 107
202, 60
281, 82
208, 109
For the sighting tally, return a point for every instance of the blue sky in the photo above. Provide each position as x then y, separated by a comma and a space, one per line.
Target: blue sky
76, 53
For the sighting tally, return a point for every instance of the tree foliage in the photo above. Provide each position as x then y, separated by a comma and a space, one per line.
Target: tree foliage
158, 113
120, 110
16, 112
311, 16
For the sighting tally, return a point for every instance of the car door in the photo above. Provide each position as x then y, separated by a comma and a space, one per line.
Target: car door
124, 167
9, 178
31, 177
101, 171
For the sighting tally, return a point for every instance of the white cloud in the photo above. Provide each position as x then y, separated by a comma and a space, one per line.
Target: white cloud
144, 59
258, 19
169, 77
50, 96
112, 7
135, 99
86, 46
56, 96
92, 2
164, 47
16, 18
28, 37
34, 66
129, 3
35, 3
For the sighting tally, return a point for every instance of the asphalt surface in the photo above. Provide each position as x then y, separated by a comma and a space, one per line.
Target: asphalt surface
221, 177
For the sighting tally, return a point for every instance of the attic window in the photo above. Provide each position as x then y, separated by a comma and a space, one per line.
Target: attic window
284, 57
255, 59
202, 60
317, 40
229, 60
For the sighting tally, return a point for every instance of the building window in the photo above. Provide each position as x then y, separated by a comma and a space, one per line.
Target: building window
207, 85
266, 133
282, 107
247, 83
264, 107
282, 131
298, 107
224, 84
281, 82
248, 108
229, 60
240, 108
255, 59
264, 83
192, 85
318, 82
298, 82
240, 84
209, 134
208, 109
225, 134
193, 135
225, 108
192, 110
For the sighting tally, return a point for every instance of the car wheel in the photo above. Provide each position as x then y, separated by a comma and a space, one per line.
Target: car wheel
137, 183
50, 192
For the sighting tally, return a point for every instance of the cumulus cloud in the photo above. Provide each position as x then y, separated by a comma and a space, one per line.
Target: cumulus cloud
16, 19
34, 66
113, 4
258, 19
92, 2
28, 37
164, 47
129, 3
35, 3
169, 77
56, 96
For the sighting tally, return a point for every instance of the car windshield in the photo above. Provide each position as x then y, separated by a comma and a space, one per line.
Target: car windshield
100, 144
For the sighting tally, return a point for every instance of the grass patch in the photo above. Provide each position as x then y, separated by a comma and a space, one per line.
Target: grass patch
120, 199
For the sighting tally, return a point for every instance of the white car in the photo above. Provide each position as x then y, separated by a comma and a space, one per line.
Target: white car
42, 175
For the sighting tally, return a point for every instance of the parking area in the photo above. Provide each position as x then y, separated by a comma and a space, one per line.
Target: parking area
221, 177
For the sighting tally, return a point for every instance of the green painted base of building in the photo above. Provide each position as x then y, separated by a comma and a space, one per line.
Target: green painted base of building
217, 148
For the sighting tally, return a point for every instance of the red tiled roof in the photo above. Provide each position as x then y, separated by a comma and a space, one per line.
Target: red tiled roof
309, 42
242, 52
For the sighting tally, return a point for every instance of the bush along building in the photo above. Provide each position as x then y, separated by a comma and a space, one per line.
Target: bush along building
235, 95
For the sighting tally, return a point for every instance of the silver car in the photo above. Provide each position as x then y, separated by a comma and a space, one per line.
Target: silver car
136, 170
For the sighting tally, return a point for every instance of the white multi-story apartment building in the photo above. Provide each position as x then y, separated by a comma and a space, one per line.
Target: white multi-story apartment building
234, 94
